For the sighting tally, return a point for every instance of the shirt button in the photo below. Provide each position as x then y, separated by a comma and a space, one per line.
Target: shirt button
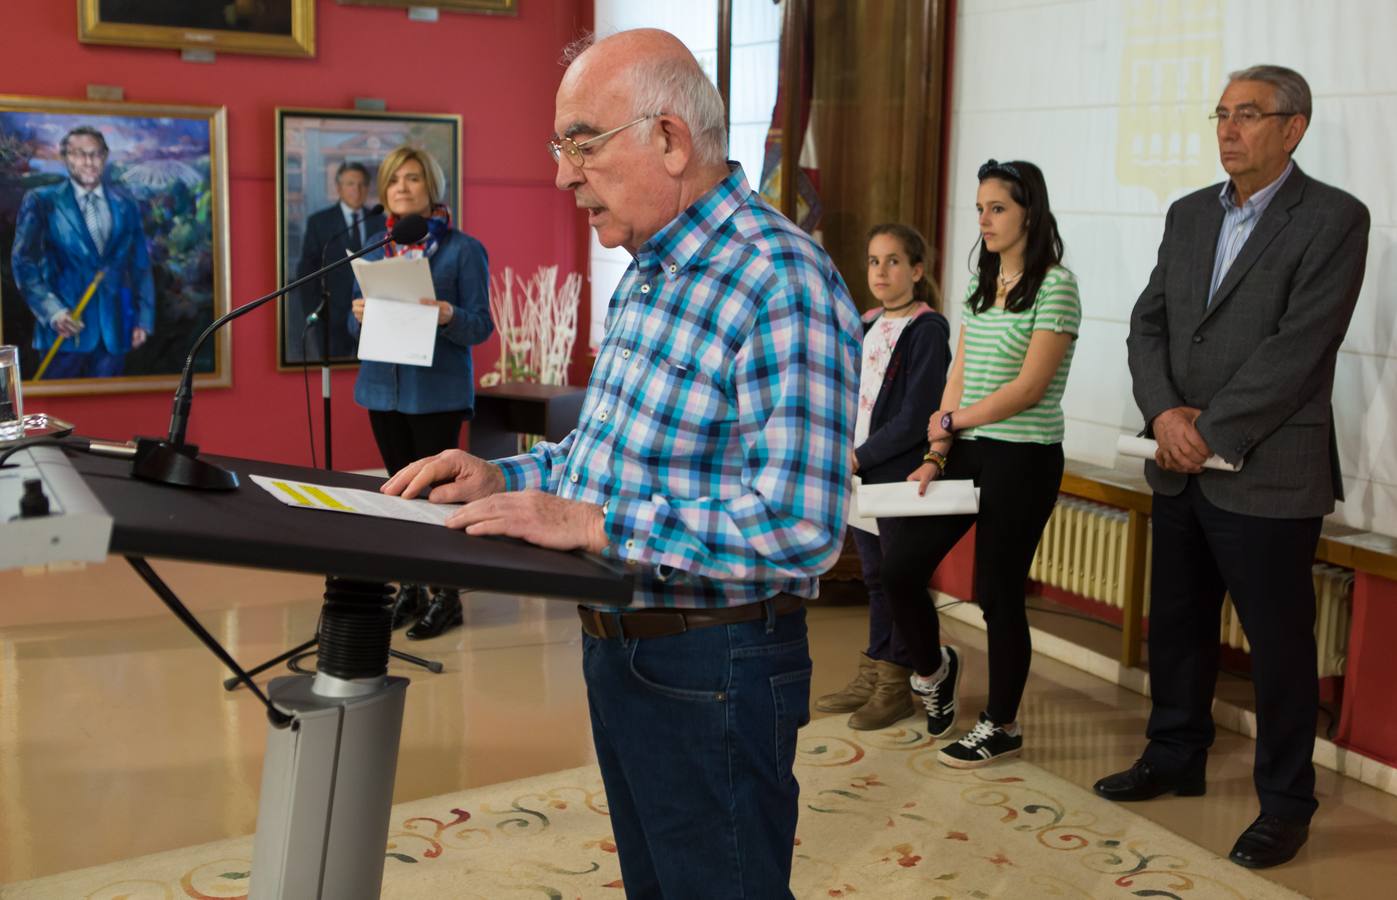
573, 478
673, 268
626, 354
602, 415
630, 545
645, 288
1198, 338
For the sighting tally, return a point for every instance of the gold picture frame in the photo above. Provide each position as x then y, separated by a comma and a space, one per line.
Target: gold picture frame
479, 7
163, 260
286, 27
311, 144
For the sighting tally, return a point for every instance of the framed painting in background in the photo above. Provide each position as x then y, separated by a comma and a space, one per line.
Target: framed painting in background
269, 27
109, 295
312, 146
484, 7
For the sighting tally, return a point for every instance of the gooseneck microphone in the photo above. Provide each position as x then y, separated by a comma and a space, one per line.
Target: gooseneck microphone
171, 460
365, 213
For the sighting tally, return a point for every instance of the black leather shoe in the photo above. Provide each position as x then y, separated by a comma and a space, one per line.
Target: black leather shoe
1143, 781
1269, 841
409, 604
442, 613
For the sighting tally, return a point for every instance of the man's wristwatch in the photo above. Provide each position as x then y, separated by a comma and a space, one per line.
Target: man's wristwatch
947, 425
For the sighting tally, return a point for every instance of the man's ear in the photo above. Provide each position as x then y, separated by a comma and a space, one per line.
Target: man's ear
677, 144
1295, 130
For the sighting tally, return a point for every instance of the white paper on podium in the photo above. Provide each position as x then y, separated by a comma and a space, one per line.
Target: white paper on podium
900, 498
304, 495
855, 520
397, 327
1144, 448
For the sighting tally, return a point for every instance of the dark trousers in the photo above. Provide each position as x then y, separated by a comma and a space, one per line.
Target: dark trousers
407, 437
1201, 551
1018, 488
884, 641
696, 737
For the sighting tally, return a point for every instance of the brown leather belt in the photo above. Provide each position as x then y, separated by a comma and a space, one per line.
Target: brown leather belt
653, 623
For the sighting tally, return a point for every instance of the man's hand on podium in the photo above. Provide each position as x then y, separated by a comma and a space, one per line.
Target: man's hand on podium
537, 517
534, 516
458, 478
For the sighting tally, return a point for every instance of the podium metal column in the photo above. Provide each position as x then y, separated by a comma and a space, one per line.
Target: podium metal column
327, 788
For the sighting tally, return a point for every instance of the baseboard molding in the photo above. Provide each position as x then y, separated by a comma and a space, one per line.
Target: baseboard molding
1372, 772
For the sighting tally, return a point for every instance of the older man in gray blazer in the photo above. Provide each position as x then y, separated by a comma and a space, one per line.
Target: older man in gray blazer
1232, 349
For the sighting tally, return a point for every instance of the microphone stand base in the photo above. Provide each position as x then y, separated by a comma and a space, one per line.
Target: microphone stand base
179, 465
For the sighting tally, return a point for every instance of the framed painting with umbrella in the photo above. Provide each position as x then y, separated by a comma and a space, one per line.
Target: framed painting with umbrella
113, 243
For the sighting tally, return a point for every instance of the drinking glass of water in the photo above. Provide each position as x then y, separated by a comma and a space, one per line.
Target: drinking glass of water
11, 404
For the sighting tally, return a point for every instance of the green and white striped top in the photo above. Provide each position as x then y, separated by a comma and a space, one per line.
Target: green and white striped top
996, 343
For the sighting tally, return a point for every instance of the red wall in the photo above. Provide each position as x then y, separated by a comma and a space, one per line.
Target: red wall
498, 73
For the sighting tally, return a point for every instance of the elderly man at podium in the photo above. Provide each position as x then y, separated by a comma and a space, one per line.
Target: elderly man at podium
712, 456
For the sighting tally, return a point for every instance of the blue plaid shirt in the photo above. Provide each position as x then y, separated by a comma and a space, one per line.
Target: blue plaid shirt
719, 419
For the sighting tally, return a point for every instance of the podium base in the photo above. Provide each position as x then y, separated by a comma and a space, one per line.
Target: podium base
327, 788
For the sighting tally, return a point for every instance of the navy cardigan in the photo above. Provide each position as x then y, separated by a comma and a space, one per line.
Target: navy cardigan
461, 277
911, 392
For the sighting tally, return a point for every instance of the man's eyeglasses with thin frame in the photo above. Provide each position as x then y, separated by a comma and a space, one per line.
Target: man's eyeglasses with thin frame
1245, 117
558, 146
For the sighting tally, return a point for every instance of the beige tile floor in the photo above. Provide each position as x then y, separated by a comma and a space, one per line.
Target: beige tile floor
116, 738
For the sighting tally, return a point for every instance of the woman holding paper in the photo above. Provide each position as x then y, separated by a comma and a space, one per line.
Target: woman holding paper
906, 349
417, 411
1000, 423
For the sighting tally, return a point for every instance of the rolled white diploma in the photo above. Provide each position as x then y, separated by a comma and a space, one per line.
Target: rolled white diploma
900, 498
1145, 448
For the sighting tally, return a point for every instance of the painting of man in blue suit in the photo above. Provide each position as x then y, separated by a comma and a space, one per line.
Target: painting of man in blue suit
82, 239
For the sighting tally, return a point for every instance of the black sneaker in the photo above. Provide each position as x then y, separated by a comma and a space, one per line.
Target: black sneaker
940, 698
985, 743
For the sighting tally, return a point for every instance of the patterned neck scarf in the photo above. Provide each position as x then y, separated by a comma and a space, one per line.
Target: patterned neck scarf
438, 224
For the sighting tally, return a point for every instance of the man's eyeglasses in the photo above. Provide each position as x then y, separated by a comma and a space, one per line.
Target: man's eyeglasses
1244, 118
87, 155
558, 146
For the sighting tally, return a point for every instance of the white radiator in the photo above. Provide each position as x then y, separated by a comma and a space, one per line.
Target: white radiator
1083, 551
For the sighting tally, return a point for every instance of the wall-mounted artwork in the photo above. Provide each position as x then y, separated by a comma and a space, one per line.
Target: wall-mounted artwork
484, 7
113, 243
327, 169
269, 27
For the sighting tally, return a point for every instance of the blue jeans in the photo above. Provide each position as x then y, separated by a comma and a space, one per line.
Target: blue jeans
695, 735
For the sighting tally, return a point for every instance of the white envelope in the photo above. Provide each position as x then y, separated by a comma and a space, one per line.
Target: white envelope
1144, 448
398, 331
900, 498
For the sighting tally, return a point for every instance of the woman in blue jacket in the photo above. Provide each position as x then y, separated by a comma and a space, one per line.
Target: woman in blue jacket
417, 411
906, 351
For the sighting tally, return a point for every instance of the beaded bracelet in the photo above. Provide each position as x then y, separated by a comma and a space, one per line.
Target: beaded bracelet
937, 457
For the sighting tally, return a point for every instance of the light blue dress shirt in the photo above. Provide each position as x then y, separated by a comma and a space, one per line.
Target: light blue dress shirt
1238, 222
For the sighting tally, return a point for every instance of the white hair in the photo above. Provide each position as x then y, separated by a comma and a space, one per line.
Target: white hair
676, 87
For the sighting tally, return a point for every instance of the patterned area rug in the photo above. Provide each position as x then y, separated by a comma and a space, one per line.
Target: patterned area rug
879, 818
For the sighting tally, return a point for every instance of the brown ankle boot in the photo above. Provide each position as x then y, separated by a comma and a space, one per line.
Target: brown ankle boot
891, 700
855, 693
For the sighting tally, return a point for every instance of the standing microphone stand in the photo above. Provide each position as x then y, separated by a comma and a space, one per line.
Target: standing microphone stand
293, 656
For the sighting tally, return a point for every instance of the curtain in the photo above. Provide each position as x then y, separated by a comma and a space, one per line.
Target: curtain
880, 70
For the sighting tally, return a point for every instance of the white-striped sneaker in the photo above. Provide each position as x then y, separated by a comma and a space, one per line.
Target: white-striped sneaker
940, 697
985, 743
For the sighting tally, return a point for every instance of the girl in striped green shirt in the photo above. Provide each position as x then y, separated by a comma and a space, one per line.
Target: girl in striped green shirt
1000, 424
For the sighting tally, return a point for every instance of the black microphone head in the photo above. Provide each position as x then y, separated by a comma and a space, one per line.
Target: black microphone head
375, 210
409, 230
